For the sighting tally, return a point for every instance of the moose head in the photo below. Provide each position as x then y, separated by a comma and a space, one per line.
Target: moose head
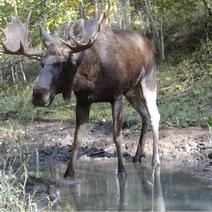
58, 60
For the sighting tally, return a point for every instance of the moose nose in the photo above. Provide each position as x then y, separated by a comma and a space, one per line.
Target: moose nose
41, 97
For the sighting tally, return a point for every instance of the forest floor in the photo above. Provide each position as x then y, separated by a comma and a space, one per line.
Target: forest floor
189, 148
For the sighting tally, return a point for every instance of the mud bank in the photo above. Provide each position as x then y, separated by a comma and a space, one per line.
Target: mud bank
188, 148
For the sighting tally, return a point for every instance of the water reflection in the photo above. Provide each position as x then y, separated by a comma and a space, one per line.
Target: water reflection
144, 189
151, 187
122, 185
157, 197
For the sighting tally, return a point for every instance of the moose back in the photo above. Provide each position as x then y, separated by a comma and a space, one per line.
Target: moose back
99, 64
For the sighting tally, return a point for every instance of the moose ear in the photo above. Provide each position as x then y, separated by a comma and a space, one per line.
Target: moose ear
76, 30
46, 38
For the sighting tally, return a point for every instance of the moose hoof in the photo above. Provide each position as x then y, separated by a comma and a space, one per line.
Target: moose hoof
69, 173
122, 175
137, 159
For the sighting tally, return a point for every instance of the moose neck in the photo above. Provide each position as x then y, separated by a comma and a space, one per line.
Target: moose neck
67, 80
88, 65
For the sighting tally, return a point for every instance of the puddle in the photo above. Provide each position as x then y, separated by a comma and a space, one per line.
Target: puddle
98, 188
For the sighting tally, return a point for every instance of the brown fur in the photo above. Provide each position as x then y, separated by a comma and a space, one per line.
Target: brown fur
100, 67
119, 63
115, 64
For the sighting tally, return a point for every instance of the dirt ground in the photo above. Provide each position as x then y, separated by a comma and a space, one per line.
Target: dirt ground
190, 148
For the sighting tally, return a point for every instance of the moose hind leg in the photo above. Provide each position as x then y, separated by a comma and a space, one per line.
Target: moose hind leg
82, 116
135, 98
117, 110
150, 96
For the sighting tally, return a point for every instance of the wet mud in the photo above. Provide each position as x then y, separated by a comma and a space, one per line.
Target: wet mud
48, 148
190, 148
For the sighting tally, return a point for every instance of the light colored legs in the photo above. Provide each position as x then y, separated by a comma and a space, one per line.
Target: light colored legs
150, 96
143, 99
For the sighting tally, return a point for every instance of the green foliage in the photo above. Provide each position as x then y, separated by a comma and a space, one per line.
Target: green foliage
176, 9
185, 84
185, 88
184, 79
188, 109
13, 196
50, 14
15, 100
182, 71
16, 191
184, 96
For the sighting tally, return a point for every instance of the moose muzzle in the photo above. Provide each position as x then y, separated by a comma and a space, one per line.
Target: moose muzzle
41, 97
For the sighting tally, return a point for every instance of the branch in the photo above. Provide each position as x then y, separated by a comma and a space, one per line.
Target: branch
209, 9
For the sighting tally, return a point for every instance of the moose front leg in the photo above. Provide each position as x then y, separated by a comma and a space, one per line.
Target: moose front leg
117, 110
82, 116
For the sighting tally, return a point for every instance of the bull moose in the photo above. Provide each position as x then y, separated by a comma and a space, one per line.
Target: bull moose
100, 64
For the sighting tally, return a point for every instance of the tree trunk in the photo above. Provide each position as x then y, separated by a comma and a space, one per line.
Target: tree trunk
16, 72
154, 30
207, 6
12, 71
22, 71
1, 75
96, 9
162, 40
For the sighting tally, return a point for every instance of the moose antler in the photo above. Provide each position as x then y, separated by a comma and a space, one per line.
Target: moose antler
16, 34
80, 47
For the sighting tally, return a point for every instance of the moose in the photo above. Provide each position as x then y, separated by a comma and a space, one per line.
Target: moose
100, 64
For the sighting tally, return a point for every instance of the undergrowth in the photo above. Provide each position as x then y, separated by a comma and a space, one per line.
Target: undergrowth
16, 193
185, 86
185, 99
184, 96
13, 196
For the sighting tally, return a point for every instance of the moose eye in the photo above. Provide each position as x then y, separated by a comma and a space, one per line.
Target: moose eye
42, 64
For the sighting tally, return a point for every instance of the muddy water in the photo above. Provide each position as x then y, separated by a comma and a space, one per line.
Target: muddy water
97, 188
